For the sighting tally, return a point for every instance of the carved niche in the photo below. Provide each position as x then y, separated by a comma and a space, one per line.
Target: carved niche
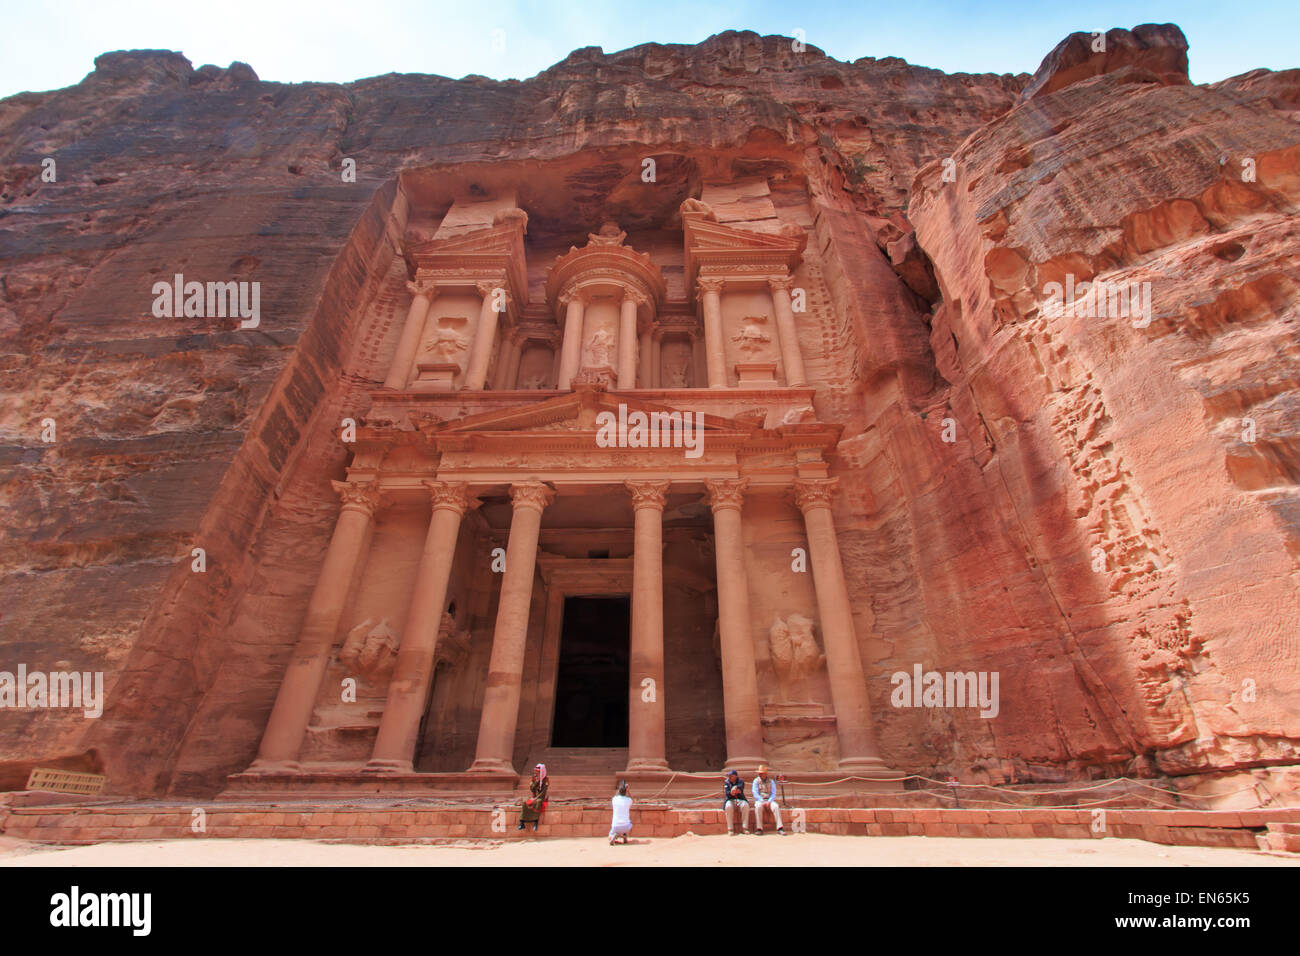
795, 659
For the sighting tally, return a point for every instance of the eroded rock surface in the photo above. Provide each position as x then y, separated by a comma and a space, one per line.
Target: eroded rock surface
941, 207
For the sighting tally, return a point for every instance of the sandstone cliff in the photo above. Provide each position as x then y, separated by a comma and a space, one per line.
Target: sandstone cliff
945, 203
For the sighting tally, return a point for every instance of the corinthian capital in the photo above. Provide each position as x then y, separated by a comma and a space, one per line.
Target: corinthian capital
421, 287
648, 494
450, 496
489, 290
780, 283
363, 495
531, 494
812, 493
571, 295
636, 295
726, 492
709, 284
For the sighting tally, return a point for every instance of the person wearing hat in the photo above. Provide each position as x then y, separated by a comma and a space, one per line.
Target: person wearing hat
733, 799
765, 796
621, 825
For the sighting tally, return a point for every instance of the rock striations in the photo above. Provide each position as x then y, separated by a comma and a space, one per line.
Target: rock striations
1097, 499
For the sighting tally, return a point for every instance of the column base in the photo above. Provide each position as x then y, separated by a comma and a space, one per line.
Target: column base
744, 764
646, 765
492, 766
871, 767
273, 766
389, 766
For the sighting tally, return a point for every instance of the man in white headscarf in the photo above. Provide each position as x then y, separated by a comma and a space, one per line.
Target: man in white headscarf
536, 802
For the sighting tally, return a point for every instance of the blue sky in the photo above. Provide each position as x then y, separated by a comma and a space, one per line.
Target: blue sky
48, 44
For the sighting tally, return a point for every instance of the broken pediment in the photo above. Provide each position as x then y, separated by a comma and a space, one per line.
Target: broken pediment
491, 250
718, 246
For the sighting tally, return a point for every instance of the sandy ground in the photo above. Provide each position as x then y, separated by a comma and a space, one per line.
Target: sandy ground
809, 849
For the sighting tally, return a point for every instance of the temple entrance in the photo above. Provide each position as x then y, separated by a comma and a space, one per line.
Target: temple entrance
591, 707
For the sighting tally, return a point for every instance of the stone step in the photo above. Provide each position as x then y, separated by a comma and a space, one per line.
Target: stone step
72, 824
579, 760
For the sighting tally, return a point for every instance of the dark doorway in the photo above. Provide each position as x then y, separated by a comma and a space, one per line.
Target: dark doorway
591, 686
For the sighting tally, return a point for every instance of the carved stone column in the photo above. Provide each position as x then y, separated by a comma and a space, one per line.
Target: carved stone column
699, 369
496, 730
858, 749
399, 373
296, 699
408, 690
739, 673
571, 350
510, 367
647, 748
644, 354
627, 339
714, 347
485, 335
791, 356
656, 359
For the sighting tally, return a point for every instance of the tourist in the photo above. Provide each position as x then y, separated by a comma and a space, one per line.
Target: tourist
536, 802
621, 825
765, 796
733, 800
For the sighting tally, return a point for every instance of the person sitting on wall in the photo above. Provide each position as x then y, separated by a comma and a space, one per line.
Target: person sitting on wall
621, 825
536, 802
733, 800
765, 796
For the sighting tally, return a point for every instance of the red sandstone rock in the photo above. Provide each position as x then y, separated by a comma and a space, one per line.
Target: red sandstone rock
971, 555
1153, 52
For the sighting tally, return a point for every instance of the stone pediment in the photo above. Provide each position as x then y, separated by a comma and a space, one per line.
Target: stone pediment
723, 247
483, 253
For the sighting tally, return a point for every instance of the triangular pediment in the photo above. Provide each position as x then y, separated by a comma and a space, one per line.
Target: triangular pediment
484, 254
501, 239
703, 235
723, 247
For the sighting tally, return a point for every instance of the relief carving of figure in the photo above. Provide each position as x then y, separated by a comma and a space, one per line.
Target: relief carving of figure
535, 381
751, 338
599, 348
795, 655
453, 642
446, 345
370, 648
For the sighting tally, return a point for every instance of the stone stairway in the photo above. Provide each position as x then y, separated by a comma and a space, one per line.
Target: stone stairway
585, 761
1273, 830
577, 773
